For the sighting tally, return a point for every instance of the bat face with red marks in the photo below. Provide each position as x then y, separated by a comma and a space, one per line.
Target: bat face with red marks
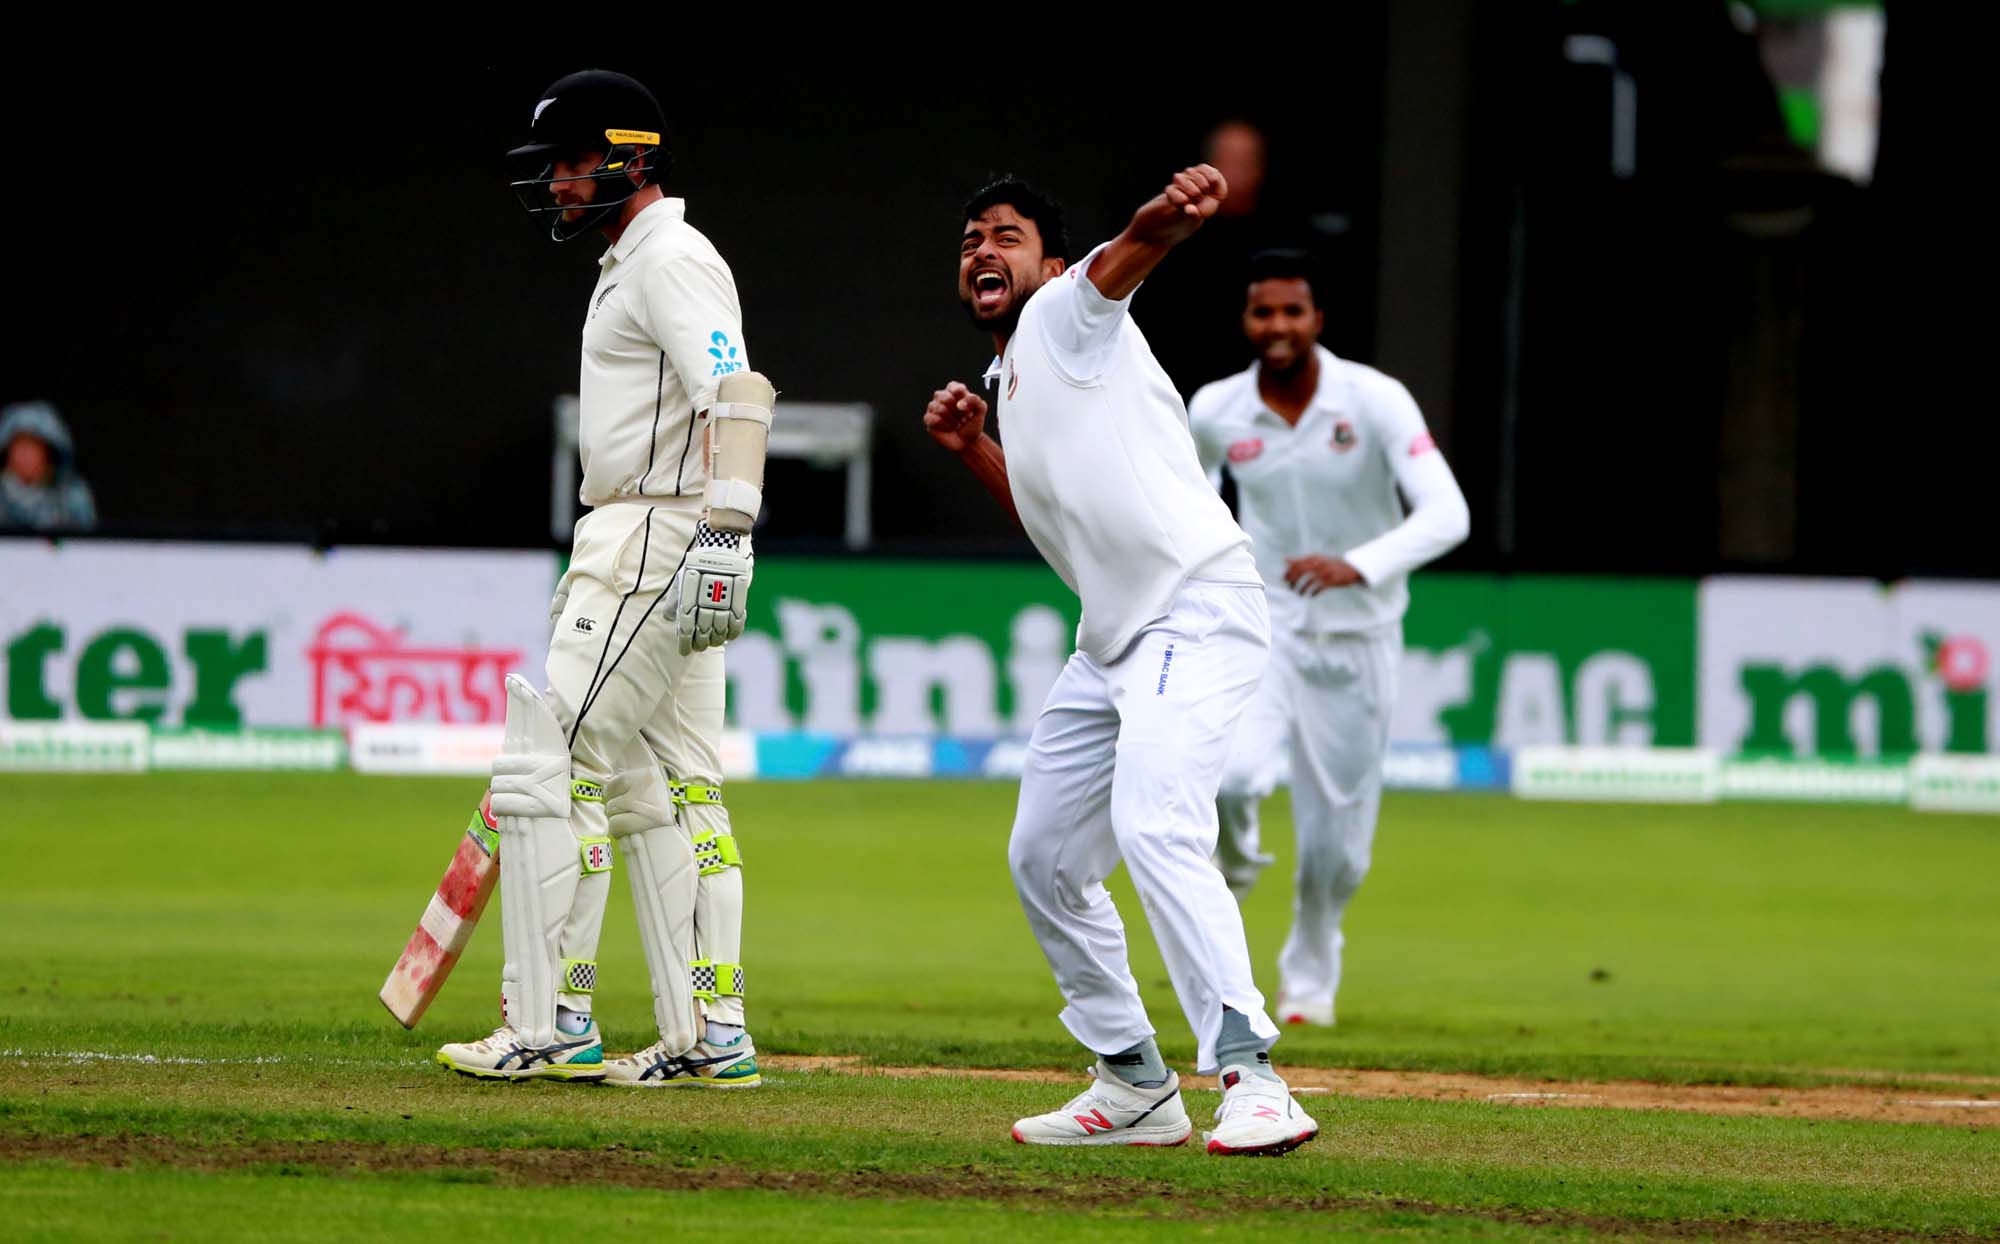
445, 930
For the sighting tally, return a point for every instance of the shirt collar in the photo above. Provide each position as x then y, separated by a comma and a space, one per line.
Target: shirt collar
648, 219
1329, 395
1331, 392
992, 373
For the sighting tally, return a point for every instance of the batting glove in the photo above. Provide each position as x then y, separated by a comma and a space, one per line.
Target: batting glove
715, 585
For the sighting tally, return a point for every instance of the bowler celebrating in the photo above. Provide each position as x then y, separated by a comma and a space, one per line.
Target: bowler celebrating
1125, 758
1319, 446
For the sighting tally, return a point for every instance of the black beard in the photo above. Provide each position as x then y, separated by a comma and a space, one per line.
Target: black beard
1003, 324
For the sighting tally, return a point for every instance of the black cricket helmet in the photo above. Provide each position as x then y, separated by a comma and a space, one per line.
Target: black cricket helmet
588, 112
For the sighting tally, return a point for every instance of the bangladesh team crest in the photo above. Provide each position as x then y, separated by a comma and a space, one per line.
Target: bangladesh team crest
1344, 438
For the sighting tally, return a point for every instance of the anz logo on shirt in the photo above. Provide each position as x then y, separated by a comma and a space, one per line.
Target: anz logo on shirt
724, 354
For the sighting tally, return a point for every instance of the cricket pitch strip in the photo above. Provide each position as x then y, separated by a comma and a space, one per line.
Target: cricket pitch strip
1866, 1103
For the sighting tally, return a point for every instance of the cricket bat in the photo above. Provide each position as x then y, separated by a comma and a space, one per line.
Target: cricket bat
446, 928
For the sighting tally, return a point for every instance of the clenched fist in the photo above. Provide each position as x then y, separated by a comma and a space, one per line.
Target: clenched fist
1191, 197
956, 417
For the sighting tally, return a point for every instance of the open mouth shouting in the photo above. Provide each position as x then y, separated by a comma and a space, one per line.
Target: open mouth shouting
989, 290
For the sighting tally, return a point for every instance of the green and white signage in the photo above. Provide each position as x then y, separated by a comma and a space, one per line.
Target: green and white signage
219, 637
1848, 667
964, 648
1517, 662
846, 646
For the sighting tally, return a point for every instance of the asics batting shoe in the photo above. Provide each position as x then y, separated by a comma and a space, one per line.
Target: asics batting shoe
506, 1056
1257, 1116
1112, 1112
707, 1065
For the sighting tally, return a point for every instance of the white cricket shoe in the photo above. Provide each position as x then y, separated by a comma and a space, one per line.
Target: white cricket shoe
506, 1056
1112, 1112
1257, 1116
707, 1065
1294, 1011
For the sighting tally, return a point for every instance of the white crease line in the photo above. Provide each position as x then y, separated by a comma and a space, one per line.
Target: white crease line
1541, 1096
175, 1060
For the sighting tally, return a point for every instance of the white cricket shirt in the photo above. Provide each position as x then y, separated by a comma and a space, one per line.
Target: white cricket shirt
662, 330
1101, 466
1327, 486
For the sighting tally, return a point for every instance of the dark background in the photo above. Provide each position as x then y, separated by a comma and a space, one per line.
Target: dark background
294, 299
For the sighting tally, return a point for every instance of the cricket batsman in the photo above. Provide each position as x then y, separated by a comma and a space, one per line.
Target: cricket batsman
1124, 760
622, 745
1319, 447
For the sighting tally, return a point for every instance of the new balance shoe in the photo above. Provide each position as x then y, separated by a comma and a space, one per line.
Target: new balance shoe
1257, 1116
506, 1056
1112, 1112
707, 1065
1295, 1011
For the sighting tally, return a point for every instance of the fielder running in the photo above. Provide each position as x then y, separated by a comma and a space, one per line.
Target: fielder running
1318, 447
622, 747
1123, 761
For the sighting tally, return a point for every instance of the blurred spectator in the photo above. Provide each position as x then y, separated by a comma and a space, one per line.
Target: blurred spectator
39, 487
1236, 149
1192, 308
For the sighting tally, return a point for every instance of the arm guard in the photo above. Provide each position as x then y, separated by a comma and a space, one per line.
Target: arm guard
740, 425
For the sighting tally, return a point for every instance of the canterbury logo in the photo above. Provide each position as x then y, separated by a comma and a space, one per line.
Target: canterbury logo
1093, 1123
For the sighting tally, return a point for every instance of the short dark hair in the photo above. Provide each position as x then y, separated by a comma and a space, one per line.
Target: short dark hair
1285, 265
1030, 203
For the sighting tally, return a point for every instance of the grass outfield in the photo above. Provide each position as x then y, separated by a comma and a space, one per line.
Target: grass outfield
226, 919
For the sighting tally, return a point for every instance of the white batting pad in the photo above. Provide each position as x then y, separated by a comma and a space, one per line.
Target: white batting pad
660, 863
539, 861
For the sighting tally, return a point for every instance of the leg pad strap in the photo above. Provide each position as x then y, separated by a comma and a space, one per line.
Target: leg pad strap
685, 793
579, 975
714, 852
714, 980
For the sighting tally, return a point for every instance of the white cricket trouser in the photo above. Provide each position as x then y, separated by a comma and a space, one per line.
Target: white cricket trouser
1123, 763
617, 679
1323, 713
